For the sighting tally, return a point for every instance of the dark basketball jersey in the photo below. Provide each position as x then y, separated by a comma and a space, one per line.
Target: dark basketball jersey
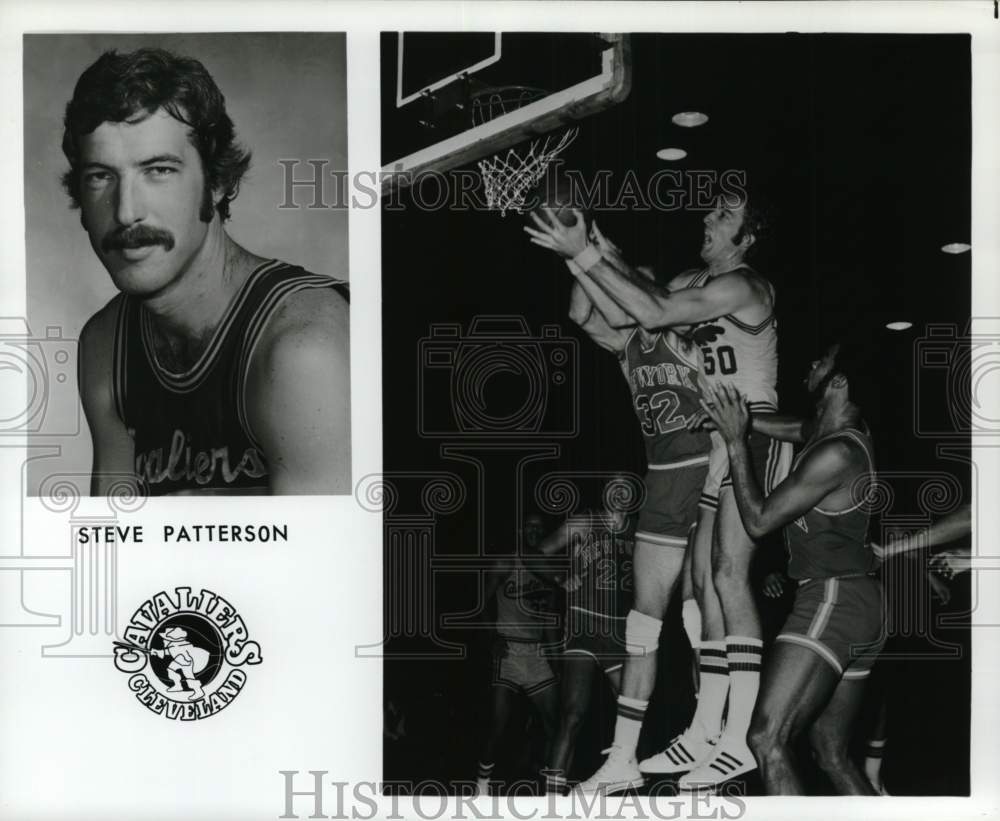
826, 543
190, 429
601, 568
736, 353
665, 394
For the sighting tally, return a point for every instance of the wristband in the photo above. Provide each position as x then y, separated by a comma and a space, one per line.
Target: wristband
574, 269
587, 258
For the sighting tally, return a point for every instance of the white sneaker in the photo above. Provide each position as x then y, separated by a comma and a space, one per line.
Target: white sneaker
731, 758
685, 752
616, 775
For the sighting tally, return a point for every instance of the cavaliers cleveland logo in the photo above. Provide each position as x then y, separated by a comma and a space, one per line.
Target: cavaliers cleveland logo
185, 654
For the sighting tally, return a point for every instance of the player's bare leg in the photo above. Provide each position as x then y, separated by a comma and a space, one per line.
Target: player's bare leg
875, 746
502, 706
695, 744
656, 569
732, 552
830, 736
798, 684
578, 672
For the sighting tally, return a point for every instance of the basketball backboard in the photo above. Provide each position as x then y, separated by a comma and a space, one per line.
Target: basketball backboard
434, 88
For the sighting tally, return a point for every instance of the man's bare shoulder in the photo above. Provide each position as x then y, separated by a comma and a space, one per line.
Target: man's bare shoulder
98, 335
310, 322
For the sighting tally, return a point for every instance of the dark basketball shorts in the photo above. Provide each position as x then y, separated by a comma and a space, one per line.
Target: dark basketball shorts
671, 506
841, 620
596, 635
771, 460
521, 666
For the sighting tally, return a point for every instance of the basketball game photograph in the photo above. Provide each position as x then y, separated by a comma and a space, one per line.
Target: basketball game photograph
188, 326
678, 396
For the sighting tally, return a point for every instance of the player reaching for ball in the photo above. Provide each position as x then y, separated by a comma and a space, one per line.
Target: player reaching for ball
727, 308
661, 369
815, 677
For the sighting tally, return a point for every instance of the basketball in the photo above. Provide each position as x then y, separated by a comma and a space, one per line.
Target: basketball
557, 193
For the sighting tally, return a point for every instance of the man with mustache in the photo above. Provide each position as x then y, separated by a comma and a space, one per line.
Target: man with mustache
215, 369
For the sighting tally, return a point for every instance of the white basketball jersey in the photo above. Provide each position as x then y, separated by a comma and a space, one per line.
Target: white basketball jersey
740, 354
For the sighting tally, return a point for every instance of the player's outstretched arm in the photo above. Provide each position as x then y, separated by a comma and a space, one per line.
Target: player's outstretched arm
652, 306
113, 466
298, 395
822, 470
593, 323
783, 427
948, 528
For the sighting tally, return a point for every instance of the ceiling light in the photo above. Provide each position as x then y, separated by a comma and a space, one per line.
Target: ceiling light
899, 326
956, 248
689, 119
671, 153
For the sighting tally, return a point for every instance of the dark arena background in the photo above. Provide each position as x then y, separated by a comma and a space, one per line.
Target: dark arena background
861, 145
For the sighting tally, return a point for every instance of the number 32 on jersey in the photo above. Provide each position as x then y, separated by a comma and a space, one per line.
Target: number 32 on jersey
658, 413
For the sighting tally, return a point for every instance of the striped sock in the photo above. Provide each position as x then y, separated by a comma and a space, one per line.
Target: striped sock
743, 654
873, 759
555, 782
484, 771
714, 670
628, 725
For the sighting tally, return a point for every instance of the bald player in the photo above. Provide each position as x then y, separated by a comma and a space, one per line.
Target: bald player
215, 370
727, 308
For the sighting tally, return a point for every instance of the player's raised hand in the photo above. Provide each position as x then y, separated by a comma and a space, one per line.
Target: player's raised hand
550, 233
774, 585
608, 249
727, 408
699, 421
949, 562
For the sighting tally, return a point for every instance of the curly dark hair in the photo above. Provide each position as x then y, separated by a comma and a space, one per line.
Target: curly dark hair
126, 87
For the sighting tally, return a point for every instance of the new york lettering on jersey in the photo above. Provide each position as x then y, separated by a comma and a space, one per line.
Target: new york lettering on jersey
190, 429
740, 354
662, 372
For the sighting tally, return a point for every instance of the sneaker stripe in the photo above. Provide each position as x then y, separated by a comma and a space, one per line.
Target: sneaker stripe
684, 752
716, 765
674, 759
730, 759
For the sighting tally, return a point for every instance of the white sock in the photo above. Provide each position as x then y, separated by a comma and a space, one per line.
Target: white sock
714, 673
691, 618
743, 654
873, 760
628, 725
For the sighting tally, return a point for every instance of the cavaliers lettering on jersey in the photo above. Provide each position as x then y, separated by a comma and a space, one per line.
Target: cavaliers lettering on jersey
736, 353
601, 567
823, 544
524, 605
190, 429
663, 378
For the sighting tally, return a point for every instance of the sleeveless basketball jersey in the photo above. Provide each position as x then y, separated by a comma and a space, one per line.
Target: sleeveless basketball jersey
736, 353
823, 544
602, 561
190, 429
663, 378
523, 605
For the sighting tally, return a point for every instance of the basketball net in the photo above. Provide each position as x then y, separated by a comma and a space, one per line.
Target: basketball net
509, 177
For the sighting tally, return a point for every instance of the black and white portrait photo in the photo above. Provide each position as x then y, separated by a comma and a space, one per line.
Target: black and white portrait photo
168, 233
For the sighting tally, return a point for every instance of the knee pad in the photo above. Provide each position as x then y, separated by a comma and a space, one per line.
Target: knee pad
642, 633
691, 616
